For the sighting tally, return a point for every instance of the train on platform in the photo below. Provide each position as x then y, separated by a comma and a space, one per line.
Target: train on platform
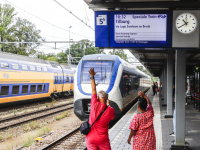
118, 78
24, 78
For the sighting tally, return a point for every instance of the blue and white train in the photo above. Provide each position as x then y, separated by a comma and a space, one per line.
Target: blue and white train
119, 79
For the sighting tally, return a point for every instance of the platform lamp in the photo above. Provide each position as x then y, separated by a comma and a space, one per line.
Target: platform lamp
69, 46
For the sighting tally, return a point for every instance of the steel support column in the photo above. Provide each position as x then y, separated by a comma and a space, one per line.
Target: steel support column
165, 84
169, 83
180, 76
161, 81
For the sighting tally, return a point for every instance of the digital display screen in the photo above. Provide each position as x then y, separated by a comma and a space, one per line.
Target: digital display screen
142, 28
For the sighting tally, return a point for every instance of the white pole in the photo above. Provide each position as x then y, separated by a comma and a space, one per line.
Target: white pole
69, 47
0, 42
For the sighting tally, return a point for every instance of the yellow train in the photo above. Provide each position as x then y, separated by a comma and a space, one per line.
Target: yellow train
24, 78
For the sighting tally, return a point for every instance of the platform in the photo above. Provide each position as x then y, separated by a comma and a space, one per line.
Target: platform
192, 133
163, 126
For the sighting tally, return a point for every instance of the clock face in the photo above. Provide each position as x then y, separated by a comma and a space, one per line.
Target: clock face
186, 23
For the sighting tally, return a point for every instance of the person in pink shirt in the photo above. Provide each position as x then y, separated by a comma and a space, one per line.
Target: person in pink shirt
98, 138
142, 128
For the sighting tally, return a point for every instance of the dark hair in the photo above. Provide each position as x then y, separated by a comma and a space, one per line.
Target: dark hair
142, 103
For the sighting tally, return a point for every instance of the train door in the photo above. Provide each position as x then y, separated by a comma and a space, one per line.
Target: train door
55, 88
63, 79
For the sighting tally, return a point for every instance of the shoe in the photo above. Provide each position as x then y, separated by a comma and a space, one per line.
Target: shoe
172, 134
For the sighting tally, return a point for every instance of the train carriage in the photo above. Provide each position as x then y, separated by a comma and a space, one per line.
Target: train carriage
119, 79
24, 78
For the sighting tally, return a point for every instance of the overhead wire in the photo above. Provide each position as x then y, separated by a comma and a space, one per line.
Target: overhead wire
73, 14
88, 19
48, 22
54, 36
52, 47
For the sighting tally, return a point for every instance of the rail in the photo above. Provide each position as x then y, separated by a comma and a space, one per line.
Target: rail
33, 115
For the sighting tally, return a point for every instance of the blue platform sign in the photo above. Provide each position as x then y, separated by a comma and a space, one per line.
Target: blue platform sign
101, 29
115, 29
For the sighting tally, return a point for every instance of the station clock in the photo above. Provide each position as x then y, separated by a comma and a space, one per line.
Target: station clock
186, 23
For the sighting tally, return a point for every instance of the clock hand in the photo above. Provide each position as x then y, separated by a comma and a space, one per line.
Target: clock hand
186, 18
185, 22
182, 25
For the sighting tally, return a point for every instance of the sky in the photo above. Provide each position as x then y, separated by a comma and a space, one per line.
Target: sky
54, 21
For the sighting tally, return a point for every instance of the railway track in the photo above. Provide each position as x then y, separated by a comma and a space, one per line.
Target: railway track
17, 120
73, 140
10, 109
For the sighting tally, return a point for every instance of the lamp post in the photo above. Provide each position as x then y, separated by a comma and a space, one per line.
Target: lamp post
69, 46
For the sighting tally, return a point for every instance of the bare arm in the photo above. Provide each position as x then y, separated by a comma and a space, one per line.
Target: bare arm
142, 94
92, 73
148, 101
133, 132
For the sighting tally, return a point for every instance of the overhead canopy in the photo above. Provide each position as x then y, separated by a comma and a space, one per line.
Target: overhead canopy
153, 59
141, 4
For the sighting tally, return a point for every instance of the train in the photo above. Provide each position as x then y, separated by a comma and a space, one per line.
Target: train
118, 78
25, 78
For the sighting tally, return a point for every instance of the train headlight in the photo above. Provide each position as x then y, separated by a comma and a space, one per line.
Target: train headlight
99, 57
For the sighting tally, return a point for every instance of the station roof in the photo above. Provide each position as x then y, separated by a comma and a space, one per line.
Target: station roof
153, 59
141, 4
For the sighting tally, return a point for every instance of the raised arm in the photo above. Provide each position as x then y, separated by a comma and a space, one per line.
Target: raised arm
92, 73
142, 94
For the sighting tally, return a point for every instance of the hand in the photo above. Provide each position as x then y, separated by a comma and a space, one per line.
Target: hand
182, 25
91, 72
141, 94
129, 141
185, 22
186, 18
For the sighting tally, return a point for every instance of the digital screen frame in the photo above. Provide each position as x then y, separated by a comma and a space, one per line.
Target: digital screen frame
143, 29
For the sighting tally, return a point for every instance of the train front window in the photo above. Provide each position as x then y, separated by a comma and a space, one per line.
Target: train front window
104, 71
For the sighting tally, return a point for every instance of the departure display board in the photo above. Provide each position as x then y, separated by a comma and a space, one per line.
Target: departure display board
143, 28
133, 29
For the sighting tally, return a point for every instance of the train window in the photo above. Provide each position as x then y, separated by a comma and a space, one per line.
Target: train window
44, 88
4, 90
15, 90
60, 79
24, 89
24, 67
44, 69
4, 65
67, 79
39, 88
103, 68
72, 79
33, 87
39, 68
32, 68
15, 66
126, 84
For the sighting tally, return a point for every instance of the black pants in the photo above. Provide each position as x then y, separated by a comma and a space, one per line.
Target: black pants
154, 91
